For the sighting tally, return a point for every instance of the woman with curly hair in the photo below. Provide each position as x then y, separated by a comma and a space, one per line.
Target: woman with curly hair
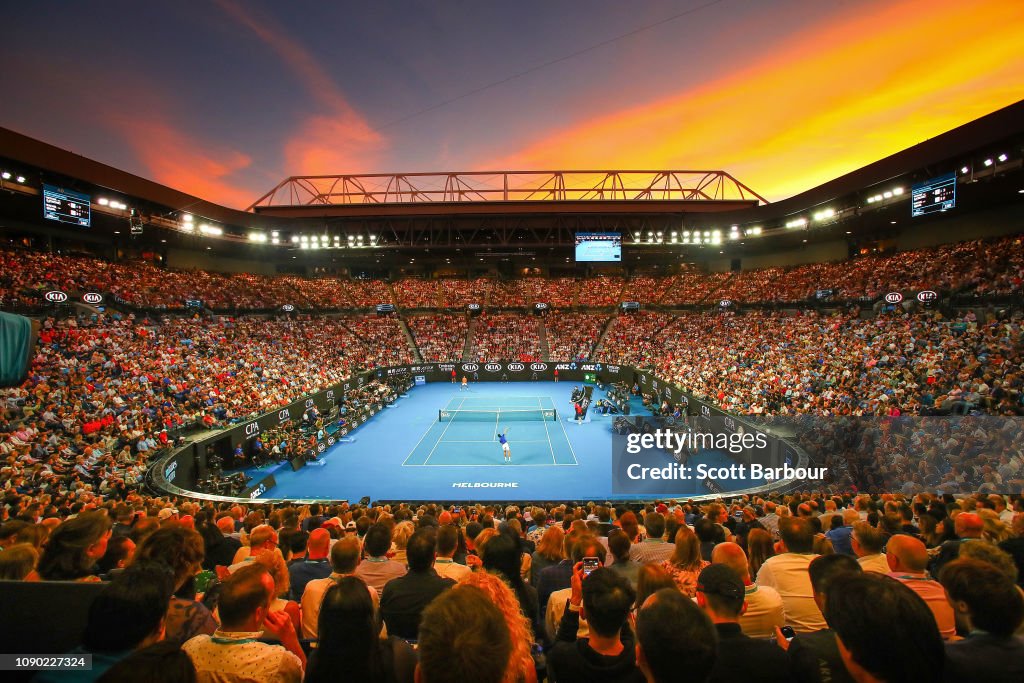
400, 538
521, 668
180, 551
686, 562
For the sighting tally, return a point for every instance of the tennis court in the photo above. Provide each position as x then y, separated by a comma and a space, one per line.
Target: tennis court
465, 434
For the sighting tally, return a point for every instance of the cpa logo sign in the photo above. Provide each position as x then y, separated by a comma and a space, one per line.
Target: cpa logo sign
730, 424
330, 394
516, 367
288, 308
470, 367
283, 415
56, 297
927, 296
538, 367
893, 298
492, 367
92, 298
309, 403
252, 429
705, 411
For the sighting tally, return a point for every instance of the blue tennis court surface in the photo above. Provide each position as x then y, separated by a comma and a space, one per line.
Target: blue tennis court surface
407, 453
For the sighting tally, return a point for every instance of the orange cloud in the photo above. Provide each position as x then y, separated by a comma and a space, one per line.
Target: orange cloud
179, 161
336, 139
825, 101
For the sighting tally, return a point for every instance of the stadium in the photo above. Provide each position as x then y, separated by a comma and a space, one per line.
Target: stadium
706, 402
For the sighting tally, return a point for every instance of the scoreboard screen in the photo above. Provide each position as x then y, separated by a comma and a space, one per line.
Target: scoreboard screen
66, 206
931, 196
599, 246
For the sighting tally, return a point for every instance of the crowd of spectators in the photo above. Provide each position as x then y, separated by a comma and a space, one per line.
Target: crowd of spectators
649, 290
797, 587
602, 290
630, 338
573, 336
385, 335
440, 338
460, 292
416, 292
506, 336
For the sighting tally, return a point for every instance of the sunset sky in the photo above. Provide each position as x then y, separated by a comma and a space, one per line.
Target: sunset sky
224, 98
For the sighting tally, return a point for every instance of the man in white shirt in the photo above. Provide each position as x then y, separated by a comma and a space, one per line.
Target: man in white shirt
867, 542
764, 610
787, 574
233, 653
344, 558
444, 565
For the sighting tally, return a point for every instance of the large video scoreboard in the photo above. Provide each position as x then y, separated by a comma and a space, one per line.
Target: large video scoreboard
66, 206
931, 196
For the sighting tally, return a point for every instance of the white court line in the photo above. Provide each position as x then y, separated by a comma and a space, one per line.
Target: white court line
425, 433
517, 441
441, 438
557, 464
554, 460
571, 450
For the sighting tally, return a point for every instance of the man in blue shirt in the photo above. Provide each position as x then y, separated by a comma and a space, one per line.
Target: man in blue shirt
505, 448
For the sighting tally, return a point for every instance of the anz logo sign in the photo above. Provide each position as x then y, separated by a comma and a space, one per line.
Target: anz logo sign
492, 367
565, 366
56, 297
516, 367
537, 367
92, 298
470, 367
258, 491
252, 429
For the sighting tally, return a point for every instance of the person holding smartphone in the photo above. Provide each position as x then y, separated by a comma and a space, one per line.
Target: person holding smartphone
604, 598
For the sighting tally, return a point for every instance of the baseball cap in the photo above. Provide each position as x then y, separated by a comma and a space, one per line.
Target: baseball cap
166, 513
720, 579
661, 509
351, 526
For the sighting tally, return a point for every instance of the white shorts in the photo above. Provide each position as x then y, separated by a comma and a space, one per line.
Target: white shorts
506, 448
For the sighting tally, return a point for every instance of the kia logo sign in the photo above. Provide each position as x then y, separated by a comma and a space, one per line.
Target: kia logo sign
725, 303
283, 415
330, 441
56, 297
492, 367
252, 429
470, 367
320, 447
538, 367
893, 298
473, 307
92, 298
540, 307
516, 367
288, 308
927, 296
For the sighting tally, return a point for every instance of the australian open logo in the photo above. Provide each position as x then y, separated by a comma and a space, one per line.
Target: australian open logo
927, 296
538, 367
56, 297
516, 367
92, 298
283, 415
252, 429
492, 367
470, 367
893, 298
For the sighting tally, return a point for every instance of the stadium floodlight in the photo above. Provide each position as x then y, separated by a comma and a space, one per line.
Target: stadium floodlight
988, 162
257, 237
755, 230
1001, 157
186, 217
887, 194
102, 201
295, 239
871, 200
717, 239
21, 179
734, 235
211, 230
6, 175
187, 227
351, 238
796, 223
716, 233
824, 214
897, 191
275, 233
275, 240
965, 170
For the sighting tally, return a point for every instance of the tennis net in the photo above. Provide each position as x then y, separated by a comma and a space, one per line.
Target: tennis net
497, 415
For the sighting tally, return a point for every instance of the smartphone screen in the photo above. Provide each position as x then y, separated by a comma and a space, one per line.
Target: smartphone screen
590, 564
787, 632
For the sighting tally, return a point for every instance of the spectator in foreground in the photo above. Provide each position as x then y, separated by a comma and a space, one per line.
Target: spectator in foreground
315, 565
604, 599
720, 593
908, 559
447, 545
463, 637
676, 642
522, 668
19, 562
234, 652
764, 610
989, 608
349, 646
787, 574
162, 662
867, 543
884, 631
686, 562
376, 569
344, 558
405, 598
619, 545
127, 615
815, 656
75, 547
653, 548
